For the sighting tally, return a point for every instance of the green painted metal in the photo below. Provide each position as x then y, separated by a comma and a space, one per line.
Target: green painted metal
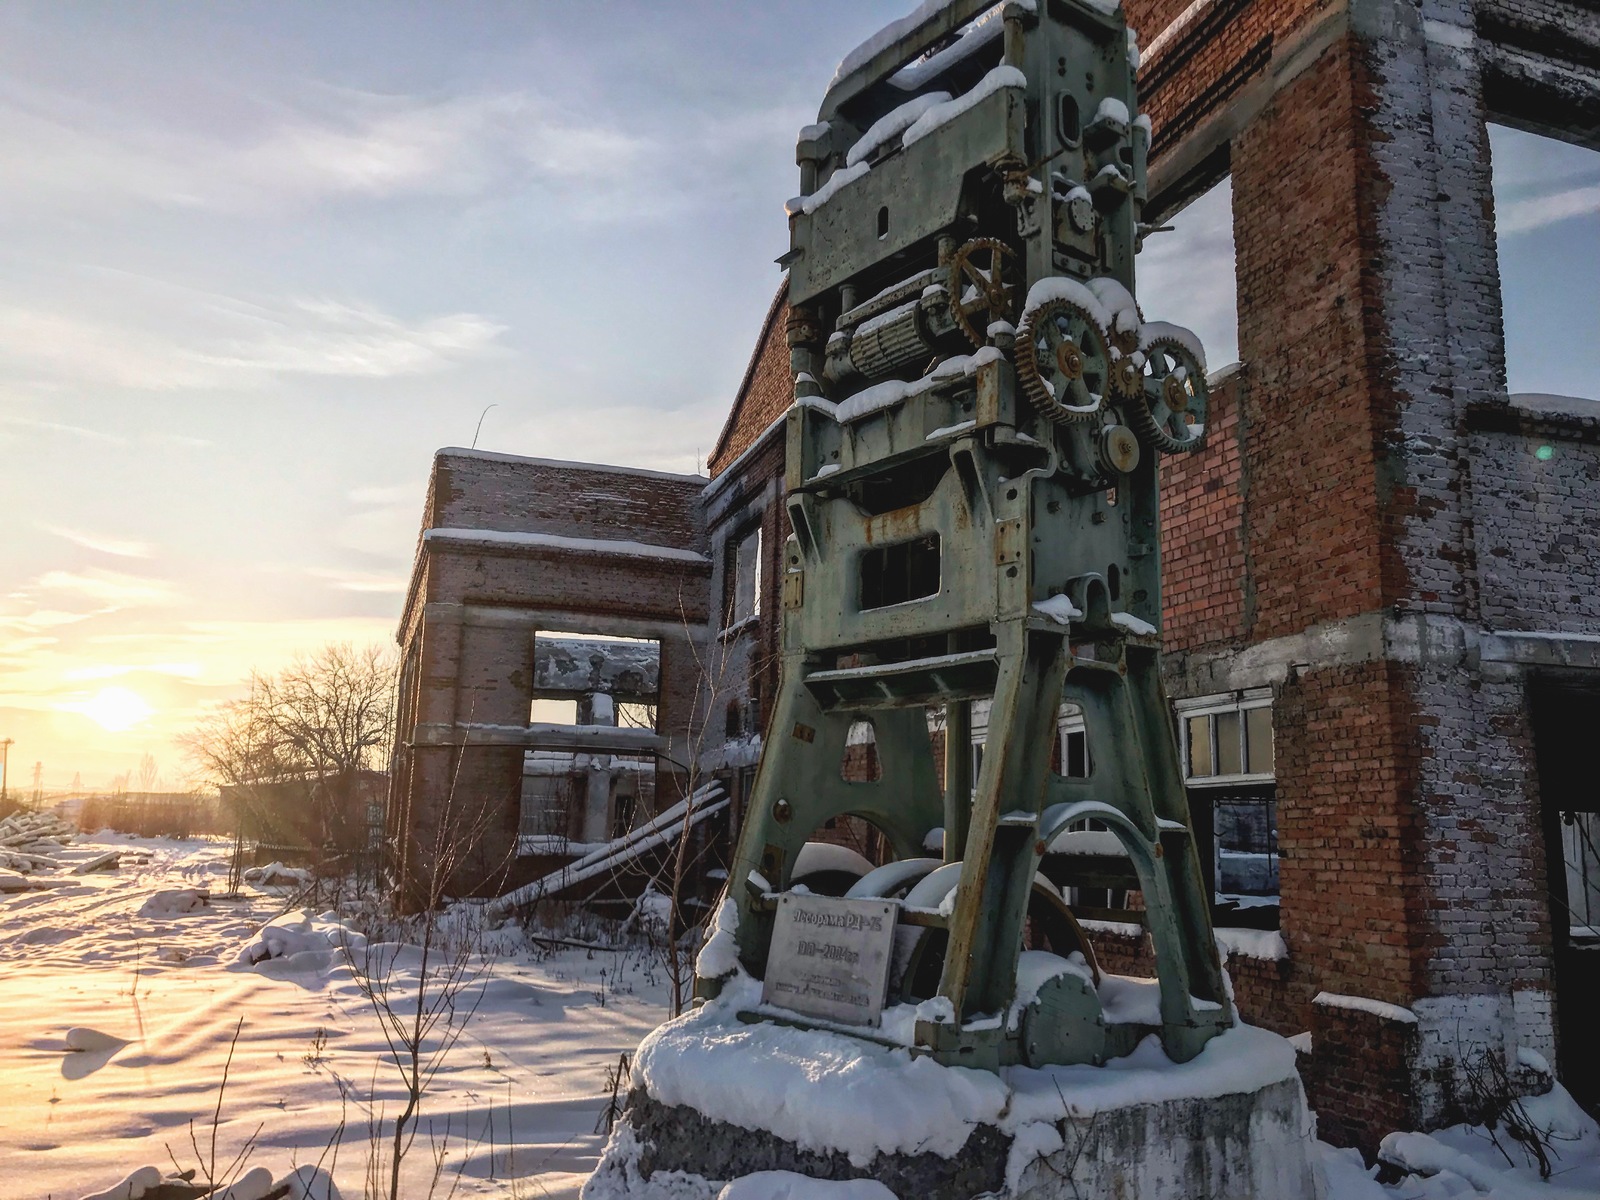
975, 516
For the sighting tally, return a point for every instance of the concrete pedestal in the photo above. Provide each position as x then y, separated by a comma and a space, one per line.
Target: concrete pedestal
715, 1099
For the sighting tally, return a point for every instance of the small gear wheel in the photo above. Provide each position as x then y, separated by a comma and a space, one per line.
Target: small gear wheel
979, 293
1127, 373
1172, 415
1063, 361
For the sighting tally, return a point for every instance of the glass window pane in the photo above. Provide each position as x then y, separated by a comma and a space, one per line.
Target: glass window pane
1200, 746
1230, 759
1258, 740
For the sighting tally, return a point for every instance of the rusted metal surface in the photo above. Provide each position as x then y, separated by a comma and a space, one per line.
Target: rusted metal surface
974, 511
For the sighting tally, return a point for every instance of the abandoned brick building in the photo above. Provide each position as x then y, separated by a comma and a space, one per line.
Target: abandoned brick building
1381, 573
576, 589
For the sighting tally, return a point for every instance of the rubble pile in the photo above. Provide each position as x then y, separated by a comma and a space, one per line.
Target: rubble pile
28, 842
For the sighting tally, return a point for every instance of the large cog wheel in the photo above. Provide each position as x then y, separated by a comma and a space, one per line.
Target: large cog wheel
978, 287
1063, 361
1172, 413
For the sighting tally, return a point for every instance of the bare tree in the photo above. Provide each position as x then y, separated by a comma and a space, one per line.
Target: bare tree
148, 774
300, 740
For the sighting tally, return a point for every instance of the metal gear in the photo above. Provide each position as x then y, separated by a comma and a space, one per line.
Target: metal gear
1127, 372
1063, 361
991, 295
1171, 414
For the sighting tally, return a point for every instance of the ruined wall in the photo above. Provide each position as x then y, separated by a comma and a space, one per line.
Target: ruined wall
764, 394
1371, 513
747, 493
1536, 540
512, 547
1203, 542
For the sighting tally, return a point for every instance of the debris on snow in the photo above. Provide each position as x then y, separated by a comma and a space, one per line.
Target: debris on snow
175, 902
275, 874
132, 1186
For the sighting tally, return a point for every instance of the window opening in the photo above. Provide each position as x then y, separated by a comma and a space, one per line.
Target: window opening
1187, 275
860, 763
899, 573
1074, 743
554, 712
745, 599
1547, 235
636, 716
1227, 752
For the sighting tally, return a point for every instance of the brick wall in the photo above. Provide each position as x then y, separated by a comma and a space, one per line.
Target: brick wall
1358, 1076
1538, 553
1203, 533
766, 391
480, 490
474, 610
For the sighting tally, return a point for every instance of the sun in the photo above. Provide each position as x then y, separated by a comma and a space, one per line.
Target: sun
117, 709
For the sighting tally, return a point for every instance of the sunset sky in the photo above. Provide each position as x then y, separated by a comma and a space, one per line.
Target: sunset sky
258, 261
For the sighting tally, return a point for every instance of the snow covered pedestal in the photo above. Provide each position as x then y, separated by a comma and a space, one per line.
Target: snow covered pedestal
716, 1098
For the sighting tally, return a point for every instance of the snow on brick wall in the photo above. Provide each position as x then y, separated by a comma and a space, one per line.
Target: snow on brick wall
476, 490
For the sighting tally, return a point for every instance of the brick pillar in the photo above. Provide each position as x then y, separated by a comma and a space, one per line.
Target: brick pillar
1369, 319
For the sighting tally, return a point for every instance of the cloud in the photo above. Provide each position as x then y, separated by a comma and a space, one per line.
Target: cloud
163, 339
78, 431
279, 155
110, 587
179, 670
359, 581
282, 155
1536, 212
325, 337
104, 545
399, 493
45, 618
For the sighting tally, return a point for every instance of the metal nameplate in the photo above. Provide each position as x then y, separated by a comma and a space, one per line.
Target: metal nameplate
830, 958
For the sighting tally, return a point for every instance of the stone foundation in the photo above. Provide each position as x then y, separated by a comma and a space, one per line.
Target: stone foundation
1245, 1146
1231, 1123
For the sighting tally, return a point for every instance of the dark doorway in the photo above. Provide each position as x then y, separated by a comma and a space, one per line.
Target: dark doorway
1564, 721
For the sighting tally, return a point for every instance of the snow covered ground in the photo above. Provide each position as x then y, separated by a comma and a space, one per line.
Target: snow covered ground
125, 955
152, 983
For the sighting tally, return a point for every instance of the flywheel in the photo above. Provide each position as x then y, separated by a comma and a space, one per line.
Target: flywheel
979, 293
1171, 415
1063, 360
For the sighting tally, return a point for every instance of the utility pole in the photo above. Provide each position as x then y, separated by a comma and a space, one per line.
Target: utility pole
5, 777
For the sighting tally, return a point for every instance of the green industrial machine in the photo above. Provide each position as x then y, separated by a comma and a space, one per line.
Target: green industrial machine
980, 408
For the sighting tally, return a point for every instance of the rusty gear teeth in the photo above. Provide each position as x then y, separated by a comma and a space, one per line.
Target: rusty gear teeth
1170, 412
1063, 361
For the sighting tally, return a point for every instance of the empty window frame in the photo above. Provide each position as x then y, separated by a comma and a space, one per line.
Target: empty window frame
1186, 275
744, 575
1073, 742
899, 573
1547, 235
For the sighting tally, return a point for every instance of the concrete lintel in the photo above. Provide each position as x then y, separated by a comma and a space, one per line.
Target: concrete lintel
591, 739
1531, 649
493, 616
1420, 638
